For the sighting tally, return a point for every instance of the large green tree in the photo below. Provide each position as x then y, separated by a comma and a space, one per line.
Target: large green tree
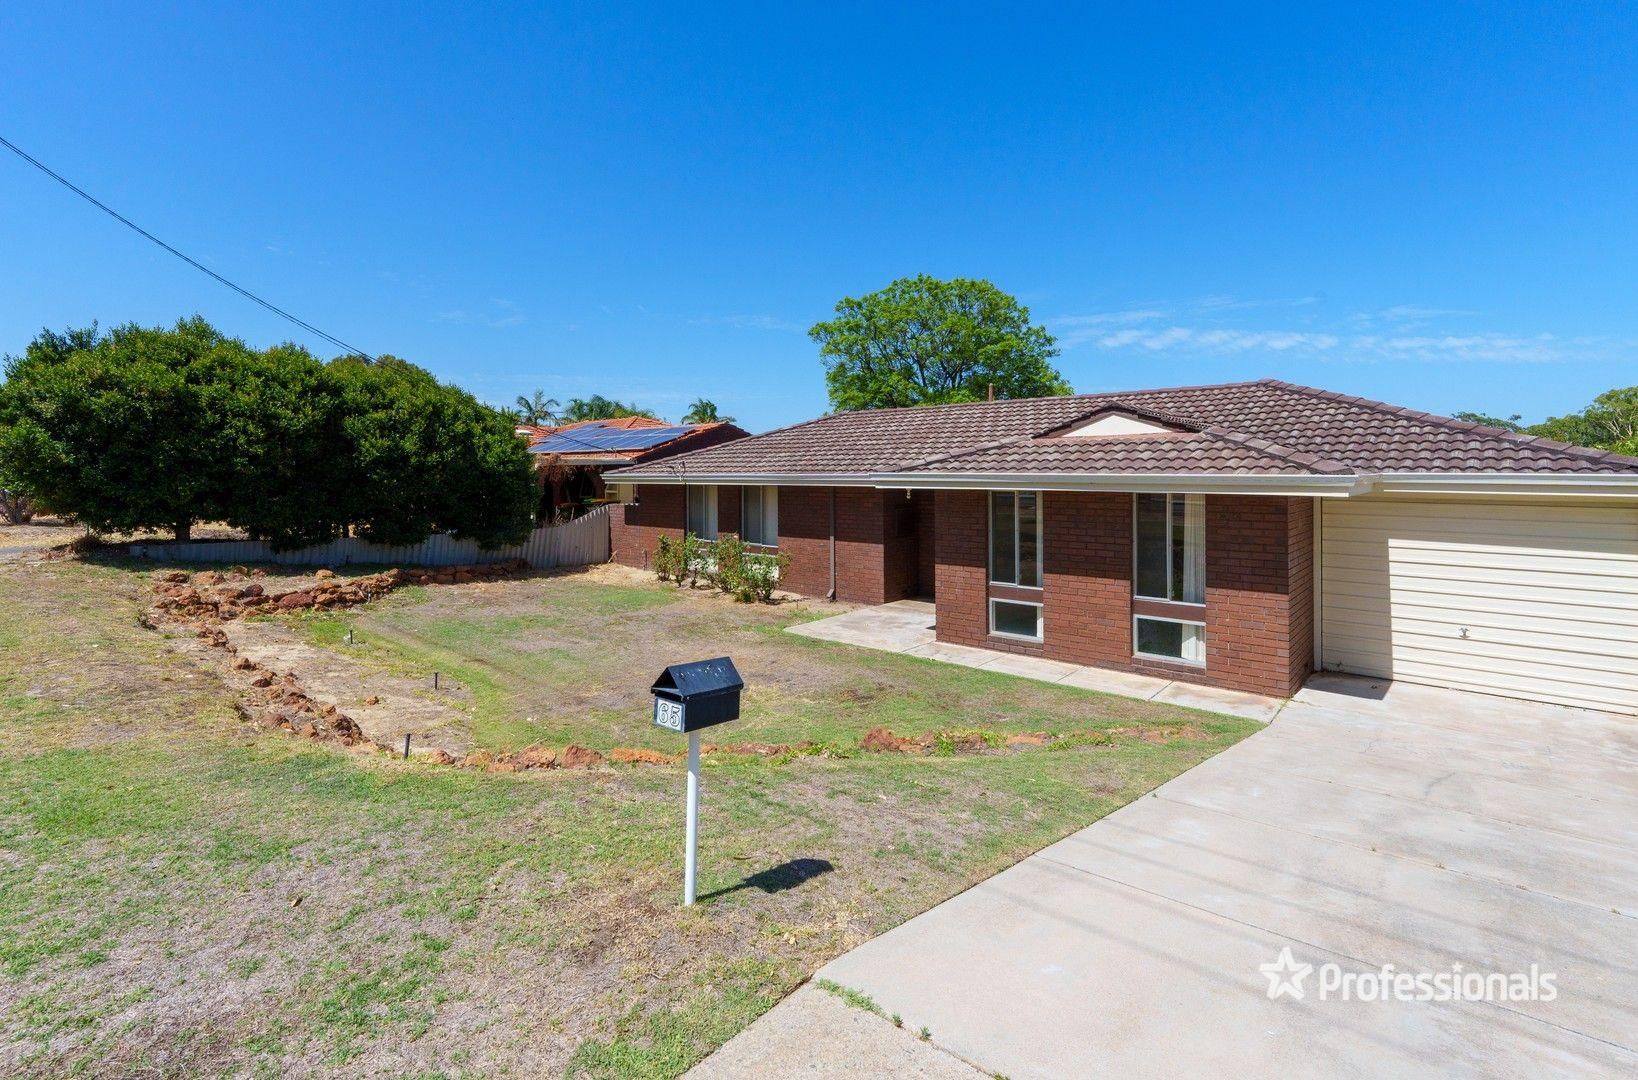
923, 341
119, 429
152, 428
424, 457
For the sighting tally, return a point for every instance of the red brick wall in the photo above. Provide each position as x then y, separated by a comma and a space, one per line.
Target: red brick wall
961, 548
1259, 600
1086, 545
635, 531
875, 561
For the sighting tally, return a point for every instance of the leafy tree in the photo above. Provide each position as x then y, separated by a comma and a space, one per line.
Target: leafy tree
1509, 424
424, 457
16, 508
598, 407
923, 341
116, 428
150, 428
704, 411
537, 408
1610, 423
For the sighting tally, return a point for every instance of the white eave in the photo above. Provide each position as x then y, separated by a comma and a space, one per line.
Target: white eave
1318, 485
1609, 485
749, 479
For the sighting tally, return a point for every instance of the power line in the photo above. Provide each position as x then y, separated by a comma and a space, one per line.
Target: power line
122, 219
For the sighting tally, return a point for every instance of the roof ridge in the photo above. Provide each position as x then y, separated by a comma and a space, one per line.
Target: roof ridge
1021, 400
963, 452
1451, 423
1312, 462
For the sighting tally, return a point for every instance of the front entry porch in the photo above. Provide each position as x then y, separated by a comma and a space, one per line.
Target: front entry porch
908, 626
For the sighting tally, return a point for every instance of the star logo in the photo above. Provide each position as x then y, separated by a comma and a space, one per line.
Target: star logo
1285, 976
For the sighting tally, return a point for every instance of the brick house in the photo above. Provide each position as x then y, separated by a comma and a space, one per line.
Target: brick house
1239, 535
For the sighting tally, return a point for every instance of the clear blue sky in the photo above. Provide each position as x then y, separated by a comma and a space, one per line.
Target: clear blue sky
1435, 209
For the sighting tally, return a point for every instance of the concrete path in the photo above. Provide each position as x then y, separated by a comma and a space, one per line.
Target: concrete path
815, 1034
1366, 826
906, 626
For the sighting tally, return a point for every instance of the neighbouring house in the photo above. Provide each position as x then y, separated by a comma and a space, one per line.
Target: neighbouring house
570, 459
1240, 535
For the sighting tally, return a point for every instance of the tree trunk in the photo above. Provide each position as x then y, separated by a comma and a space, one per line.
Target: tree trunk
184, 530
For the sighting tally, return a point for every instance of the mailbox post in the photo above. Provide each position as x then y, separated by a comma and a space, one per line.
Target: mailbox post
687, 699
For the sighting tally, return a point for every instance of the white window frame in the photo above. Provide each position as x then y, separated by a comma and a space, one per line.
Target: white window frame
1136, 554
1040, 537
768, 494
711, 510
1040, 619
1162, 657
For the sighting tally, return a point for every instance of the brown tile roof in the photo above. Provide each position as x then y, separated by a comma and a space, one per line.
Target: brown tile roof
1204, 452
1263, 426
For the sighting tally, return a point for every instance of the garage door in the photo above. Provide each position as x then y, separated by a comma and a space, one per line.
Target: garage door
1528, 599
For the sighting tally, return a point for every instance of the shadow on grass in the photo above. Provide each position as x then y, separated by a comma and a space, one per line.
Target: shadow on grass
776, 879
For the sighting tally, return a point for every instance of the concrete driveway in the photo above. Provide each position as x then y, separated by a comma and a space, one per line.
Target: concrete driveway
1423, 829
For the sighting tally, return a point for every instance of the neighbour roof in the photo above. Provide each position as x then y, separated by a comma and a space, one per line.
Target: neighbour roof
622, 437
1265, 426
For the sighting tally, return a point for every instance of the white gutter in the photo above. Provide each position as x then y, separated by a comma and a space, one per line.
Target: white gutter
750, 478
1608, 485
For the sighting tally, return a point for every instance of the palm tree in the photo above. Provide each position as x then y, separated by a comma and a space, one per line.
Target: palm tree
704, 411
598, 407
537, 408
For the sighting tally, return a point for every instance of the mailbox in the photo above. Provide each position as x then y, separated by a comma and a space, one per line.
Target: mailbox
688, 697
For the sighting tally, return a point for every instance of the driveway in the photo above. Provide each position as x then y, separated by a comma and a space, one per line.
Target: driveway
1417, 827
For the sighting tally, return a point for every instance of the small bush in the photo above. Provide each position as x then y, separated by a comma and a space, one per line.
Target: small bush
726, 565
668, 560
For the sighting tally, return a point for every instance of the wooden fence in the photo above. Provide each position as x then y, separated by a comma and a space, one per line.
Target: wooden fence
582, 541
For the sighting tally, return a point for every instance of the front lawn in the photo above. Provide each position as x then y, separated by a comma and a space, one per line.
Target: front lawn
185, 894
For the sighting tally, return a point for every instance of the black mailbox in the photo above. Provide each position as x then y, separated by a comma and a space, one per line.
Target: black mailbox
688, 697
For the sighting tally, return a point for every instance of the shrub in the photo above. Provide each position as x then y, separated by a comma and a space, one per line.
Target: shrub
668, 560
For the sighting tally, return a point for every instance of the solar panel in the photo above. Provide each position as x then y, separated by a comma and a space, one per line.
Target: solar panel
590, 439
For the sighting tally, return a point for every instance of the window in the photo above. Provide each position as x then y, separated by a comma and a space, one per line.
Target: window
1014, 618
759, 516
1171, 548
702, 511
1015, 538
1170, 639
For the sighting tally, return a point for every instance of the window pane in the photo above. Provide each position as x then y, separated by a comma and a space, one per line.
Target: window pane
1003, 550
1180, 641
1193, 528
1151, 546
1175, 583
1194, 644
750, 516
702, 511
1023, 620
770, 516
1158, 638
1029, 539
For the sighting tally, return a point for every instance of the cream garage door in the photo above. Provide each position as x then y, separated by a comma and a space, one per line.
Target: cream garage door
1530, 599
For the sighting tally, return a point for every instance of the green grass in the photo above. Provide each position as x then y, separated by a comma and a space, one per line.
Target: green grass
563, 670
179, 894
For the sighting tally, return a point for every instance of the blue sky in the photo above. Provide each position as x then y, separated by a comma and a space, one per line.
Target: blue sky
1436, 209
